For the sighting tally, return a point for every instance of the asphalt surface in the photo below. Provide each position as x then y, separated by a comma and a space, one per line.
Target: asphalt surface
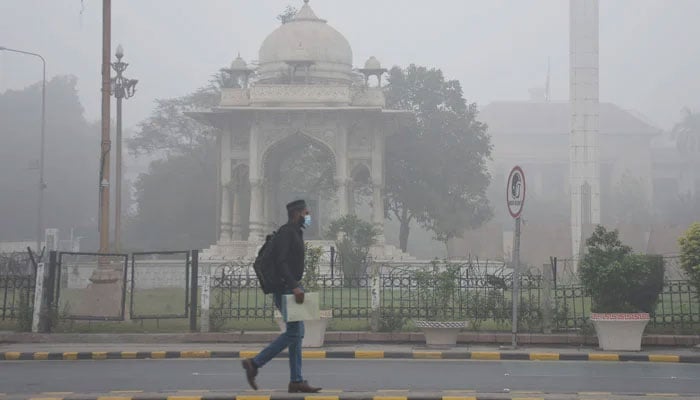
28, 377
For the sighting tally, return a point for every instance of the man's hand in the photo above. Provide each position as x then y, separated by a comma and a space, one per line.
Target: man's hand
298, 295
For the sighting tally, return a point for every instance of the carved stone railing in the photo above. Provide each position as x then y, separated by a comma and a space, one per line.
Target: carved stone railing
235, 97
300, 95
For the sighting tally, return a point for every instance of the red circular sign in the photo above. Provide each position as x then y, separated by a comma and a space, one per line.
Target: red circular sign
515, 192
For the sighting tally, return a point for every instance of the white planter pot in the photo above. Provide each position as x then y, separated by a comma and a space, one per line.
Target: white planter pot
620, 332
440, 334
314, 331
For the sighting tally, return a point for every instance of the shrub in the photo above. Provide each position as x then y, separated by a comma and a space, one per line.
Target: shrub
354, 239
618, 280
690, 254
438, 292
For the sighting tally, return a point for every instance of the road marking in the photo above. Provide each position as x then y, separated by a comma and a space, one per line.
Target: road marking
459, 391
12, 355
126, 391
390, 398
184, 397
332, 391
594, 393
664, 358
252, 397
128, 355
526, 392
316, 397
46, 398
313, 355
157, 354
99, 355
113, 398
43, 355
528, 398
366, 354
195, 354
70, 355
248, 353
193, 390
544, 356
603, 357
57, 393
486, 355
427, 355
458, 397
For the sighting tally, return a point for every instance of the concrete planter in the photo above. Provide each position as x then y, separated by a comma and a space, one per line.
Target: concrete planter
440, 334
314, 331
620, 332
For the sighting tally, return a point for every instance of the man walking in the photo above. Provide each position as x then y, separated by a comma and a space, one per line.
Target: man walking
288, 250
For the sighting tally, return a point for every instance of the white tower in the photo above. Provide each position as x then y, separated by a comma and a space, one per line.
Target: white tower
584, 181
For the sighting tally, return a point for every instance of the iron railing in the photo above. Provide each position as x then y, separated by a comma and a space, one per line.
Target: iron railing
17, 283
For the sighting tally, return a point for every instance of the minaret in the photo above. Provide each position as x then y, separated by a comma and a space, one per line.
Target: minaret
584, 179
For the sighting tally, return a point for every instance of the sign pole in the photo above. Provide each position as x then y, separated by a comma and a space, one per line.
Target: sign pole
516, 282
515, 200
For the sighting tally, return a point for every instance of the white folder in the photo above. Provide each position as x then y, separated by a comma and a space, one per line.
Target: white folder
308, 311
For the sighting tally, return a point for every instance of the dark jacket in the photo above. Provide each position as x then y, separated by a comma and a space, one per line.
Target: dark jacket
289, 254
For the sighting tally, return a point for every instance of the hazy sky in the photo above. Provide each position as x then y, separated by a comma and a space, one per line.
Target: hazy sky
498, 49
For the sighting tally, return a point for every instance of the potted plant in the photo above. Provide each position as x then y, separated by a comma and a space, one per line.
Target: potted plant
624, 288
314, 331
438, 293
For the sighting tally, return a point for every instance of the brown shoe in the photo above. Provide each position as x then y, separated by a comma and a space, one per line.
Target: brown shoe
302, 387
251, 371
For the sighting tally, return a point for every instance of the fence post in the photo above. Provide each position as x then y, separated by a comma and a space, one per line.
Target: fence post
375, 290
47, 301
204, 299
194, 286
39, 305
547, 298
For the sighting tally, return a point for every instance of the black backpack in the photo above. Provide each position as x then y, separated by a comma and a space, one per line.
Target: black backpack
264, 266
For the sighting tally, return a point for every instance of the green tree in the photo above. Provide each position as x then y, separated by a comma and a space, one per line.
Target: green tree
690, 254
354, 240
177, 197
71, 162
618, 280
436, 165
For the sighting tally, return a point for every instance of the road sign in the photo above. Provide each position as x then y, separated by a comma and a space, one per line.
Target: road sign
515, 192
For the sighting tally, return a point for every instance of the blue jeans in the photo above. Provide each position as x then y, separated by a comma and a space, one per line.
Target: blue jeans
291, 339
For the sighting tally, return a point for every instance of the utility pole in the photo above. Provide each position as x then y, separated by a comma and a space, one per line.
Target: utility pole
122, 88
106, 143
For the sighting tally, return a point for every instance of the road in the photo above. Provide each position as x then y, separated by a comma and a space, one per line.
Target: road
28, 377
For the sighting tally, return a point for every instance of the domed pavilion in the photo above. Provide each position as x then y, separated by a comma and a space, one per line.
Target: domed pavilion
302, 93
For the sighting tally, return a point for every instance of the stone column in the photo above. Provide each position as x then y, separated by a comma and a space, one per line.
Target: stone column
341, 184
225, 223
256, 197
236, 211
378, 211
378, 182
341, 172
256, 211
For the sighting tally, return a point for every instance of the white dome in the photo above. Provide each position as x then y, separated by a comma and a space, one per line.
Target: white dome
306, 38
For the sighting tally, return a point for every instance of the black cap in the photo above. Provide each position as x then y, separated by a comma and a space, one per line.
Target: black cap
296, 205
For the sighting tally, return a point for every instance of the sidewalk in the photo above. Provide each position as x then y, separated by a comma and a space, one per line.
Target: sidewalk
102, 351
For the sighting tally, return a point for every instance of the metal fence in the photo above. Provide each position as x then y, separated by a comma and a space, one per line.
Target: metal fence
481, 295
17, 282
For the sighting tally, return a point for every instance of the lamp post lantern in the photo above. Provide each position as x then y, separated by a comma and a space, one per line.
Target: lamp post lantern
121, 88
42, 184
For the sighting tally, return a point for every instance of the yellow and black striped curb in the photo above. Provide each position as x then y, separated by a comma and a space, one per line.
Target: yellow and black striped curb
356, 354
340, 395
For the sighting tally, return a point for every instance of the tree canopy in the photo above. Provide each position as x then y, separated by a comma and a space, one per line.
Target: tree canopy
71, 161
436, 165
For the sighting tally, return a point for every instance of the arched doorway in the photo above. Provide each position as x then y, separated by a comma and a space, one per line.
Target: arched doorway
299, 166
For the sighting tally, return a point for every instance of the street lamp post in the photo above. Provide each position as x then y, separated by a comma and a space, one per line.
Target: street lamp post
42, 184
122, 88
